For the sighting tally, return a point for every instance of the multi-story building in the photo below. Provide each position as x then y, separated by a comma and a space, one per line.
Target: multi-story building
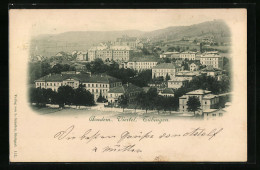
212, 59
140, 64
188, 75
130, 90
189, 55
164, 69
95, 84
207, 100
109, 53
132, 42
82, 56
177, 82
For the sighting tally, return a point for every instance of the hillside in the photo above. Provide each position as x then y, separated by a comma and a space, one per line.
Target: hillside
48, 45
216, 28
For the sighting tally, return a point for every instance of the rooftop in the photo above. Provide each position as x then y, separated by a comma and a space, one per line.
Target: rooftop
205, 55
167, 91
143, 59
125, 88
174, 52
166, 66
178, 79
85, 78
209, 96
199, 91
189, 52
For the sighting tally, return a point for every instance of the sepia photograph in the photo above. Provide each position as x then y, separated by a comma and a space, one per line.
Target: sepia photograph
106, 85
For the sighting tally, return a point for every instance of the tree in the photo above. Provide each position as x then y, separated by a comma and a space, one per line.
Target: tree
167, 77
193, 104
100, 98
82, 97
159, 102
143, 100
65, 95
123, 101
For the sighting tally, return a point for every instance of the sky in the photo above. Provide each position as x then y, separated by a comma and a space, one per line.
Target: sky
53, 21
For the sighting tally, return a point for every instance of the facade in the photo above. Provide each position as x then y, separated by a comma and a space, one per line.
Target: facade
95, 84
132, 42
177, 82
130, 90
140, 64
211, 114
109, 53
82, 56
207, 100
188, 75
189, 55
165, 69
214, 60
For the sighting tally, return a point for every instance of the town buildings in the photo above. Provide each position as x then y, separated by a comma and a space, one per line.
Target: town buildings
95, 84
166, 69
109, 53
188, 75
167, 92
212, 59
189, 55
82, 56
177, 82
206, 98
132, 42
129, 90
171, 55
141, 63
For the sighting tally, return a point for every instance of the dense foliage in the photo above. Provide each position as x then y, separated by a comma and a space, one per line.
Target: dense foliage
66, 95
193, 104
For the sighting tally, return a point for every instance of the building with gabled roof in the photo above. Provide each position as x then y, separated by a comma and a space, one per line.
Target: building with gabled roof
206, 98
177, 82
212, 59
189, 55
96, 84
129, 89
164, 69
141, 63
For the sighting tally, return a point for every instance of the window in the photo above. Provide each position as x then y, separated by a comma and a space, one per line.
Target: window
213, 114
111, 95
88, 85
92, 85
97, 90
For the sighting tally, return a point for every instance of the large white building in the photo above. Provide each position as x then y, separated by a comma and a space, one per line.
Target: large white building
109, 53
212, 59
141, 63
164, 69
189, 55
95, 84
206, 98
177, 82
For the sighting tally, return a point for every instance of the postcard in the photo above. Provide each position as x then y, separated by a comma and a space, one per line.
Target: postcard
128, 85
